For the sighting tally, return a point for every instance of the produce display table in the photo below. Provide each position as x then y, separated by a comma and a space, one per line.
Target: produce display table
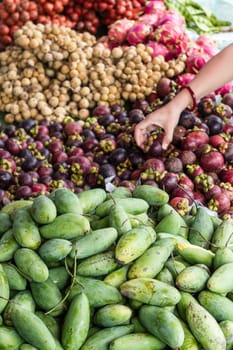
103, 245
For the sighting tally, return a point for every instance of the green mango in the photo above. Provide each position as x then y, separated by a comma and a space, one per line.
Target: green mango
150, 291
220, 307
163, 324
204, 327
134, 243
137, 341
201, 229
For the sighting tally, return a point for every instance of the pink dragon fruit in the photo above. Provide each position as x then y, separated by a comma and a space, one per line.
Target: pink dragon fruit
184, 78
173, 37
207, 44
158, 49
118, 30
151, 19
173, 17
195, 62
138, 33
168, 33
154, 6
193, 48
178, 48
224, 89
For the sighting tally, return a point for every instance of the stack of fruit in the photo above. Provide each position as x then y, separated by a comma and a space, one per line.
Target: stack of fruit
116, 271
104, 245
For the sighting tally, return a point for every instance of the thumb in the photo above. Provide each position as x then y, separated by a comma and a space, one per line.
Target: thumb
167, 138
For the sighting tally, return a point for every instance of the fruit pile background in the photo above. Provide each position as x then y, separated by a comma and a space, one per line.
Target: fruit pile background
70, 100
99, 270
100, 241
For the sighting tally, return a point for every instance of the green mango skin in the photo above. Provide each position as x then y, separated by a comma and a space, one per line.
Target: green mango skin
150, 291
97, 265
66, 201
97, 241
220, 307
117, 277
151, 262
47, 296
195, 254
227, 328
102, 338
98, 292
193, 278
137, 341
91, 199
25, 230
23, 298
4, 289
119, 219
205, 328
163, 324
201, 229
9, 338
222, 235
59, 276
222, 256
132, 206
112, 315
43, 210
5, 222
8, 246
15, 279
221, 280
190, 342
134, 243
151, 194
30, 263
55, 249
76, 323
66, 226
24, 321
185, 300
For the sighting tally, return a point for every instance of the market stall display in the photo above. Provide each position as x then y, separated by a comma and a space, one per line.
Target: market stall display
104, 245
89, 269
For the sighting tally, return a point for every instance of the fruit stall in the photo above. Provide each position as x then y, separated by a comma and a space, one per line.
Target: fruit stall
103, 245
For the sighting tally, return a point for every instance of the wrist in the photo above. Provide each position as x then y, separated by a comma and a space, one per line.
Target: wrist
192, 94
182, 100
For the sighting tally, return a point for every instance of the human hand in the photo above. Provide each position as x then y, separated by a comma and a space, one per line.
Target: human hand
163, 118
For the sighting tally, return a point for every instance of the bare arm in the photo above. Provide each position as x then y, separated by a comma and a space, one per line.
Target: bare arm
216, 73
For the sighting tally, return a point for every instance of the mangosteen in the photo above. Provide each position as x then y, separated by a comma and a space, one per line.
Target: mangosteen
187, 119
214, 123
174, 165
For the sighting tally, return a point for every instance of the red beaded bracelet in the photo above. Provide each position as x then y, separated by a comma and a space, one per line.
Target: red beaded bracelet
192, 94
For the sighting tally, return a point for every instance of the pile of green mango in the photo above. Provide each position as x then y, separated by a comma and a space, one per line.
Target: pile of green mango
118, 271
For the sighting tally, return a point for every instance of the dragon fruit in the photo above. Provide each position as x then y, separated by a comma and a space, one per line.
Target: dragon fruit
224, 89
195, 62
168, 33
154, 6
184, 78
158, 49
193, 49
138, 33
173, 37
177, 48
172, 17
207, 44
151, 19
118, 30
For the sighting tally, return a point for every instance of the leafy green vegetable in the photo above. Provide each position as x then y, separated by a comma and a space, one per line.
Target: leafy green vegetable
197, 17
